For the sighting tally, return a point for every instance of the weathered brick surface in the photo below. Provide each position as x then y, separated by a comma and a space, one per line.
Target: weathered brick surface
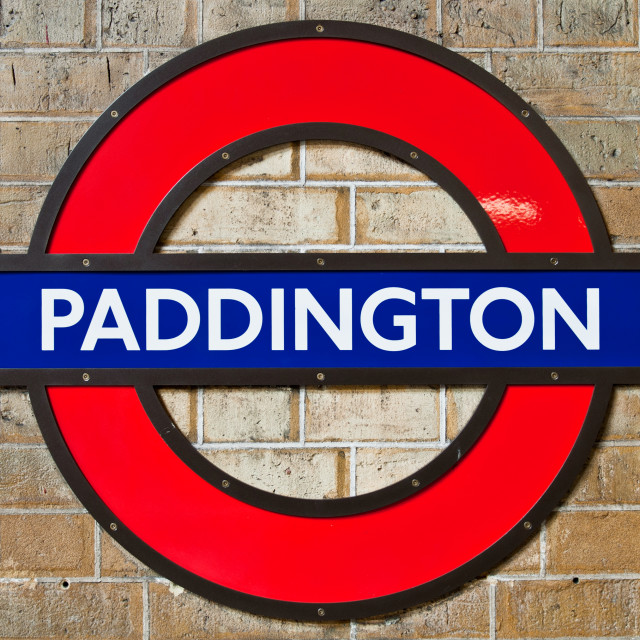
602, 149
36, 150
594, 542
19, 208
418, 18
619, 207
37, 23
611, 477
182, 615
65, 84
116, 562
462, 401
17, 422
561, 609
281, 162
255, 414
83, 610
221, 18
48, 545
411, 215
171, 23
463, 614
491, 23
525, 561
182, 406
252, 215
373, 413
575, 84
301, 473
377, 468
30, 479
590, 22
623, 419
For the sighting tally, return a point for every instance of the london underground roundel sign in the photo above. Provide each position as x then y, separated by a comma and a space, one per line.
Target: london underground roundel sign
102, 319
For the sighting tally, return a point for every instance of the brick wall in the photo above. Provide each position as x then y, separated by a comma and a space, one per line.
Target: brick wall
63, 61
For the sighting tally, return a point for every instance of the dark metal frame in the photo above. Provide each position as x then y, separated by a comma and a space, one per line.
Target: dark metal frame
145, 260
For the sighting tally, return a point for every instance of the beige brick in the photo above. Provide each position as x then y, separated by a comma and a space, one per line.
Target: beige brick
463, 614
281, 162
378, 468
158, 58
182, 406
62, 23
116, 562
36, 150
65, 84
461, 404
525, 561
29, 478
619, 207
105, 611
219, 18
587, 84
19, 208
301, 473
17, 422
490, 23
251, 414
602, 149
190, 617
594, 542
252, 215
51, 545
590, 22
343, 161
411, 215
623, 419
555, 609
414, 16
373, 413
611, 477
171, 23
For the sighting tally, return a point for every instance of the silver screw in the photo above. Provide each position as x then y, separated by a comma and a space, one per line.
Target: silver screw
319, 28
225, 156
321, 611
554, 375
527, 525
415, 482
113, 526
320, 377
554, 261
413, 155
320, 262
525, 113
86, 262
225, 484
86, 377
114, 114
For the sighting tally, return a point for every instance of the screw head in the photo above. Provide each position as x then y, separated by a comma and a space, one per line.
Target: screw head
225, 156
527, 525
113, 526
320, 262
114, 114
225, 484
554, 261
86, 262
415, 482
525, 113
319, 28
320, 377
321, 611
554, 375
86, 377
413, 155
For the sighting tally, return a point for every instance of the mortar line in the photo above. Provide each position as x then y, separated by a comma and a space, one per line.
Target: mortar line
596, 182
492, 610
302, 9
26, 183
40, 511
302, 418
237, 446
97, 551
353, 488
200, 22
581, 508
85, 50
249, 248
352, 214
488, 62
145, 611
48, 118
23, 445
599, 118
567, 576
145, 62
353, 630
443, 413
302, 163
98, 25
439, 21
615, 443
319, 183
540, 25
543, 549
200, 415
